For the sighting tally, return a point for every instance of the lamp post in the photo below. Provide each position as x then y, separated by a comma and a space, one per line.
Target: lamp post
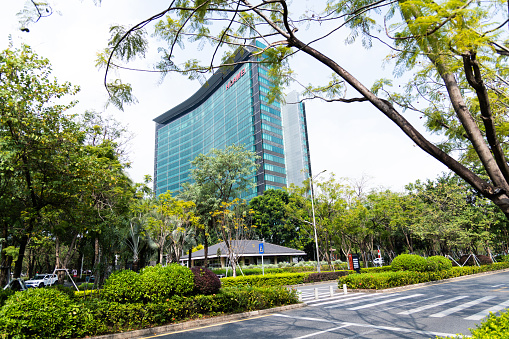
314, 222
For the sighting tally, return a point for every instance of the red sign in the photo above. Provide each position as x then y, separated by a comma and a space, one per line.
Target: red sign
241, 73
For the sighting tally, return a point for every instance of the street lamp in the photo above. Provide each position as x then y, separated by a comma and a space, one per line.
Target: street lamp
314, 222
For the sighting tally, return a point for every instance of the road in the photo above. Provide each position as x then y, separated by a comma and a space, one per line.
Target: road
442, 309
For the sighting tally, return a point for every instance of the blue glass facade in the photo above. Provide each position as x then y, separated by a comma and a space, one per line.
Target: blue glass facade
232, 108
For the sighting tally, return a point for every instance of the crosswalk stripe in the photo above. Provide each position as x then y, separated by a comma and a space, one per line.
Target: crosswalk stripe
422, 308
332, 299
486, 312
410, 303
461, 307
346, 298
384, 302
366, 299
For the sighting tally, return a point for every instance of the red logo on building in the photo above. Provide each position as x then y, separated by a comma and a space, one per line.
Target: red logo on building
241, 73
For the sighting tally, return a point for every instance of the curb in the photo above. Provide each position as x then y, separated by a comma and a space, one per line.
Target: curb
218, 320
428, 283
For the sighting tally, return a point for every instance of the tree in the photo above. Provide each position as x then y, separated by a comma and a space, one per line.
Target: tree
272, 220
39, 145
60, 177
219, 176
458, 60
169, 220
234, 226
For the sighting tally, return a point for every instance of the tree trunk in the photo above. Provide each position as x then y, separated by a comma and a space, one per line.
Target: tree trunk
205, 249
58, 264
4, 269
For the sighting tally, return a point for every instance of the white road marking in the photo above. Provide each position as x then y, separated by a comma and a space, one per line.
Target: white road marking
406, 304
461, 307
322, 332
302, 318
384, 302
498, 285
385, 328
345, 299
422, 308
332, 300
366, 299
487, 311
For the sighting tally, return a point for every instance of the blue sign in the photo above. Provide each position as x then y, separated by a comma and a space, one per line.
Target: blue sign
260, 248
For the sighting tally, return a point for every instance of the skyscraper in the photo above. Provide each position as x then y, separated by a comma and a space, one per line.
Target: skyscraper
232, 108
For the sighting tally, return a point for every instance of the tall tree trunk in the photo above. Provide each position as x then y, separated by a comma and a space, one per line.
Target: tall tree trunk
4, 269
205, 249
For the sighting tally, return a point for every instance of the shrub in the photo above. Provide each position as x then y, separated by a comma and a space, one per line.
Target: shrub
281, 279
86, 286
159, 283
123, 286
37, 313
437, 263
69, 291
402, 278
325, 276
205, 281
409, 262
376, 269
4, 294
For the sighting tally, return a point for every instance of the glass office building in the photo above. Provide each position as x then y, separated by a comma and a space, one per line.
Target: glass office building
231, 108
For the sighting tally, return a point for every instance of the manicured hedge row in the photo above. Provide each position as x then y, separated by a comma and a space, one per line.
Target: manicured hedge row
281, 279
49, 313
376, 269
394, 279
259, 271
325, 276
248, 271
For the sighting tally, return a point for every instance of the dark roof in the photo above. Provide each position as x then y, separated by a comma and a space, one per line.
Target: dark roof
248, 248
198, 98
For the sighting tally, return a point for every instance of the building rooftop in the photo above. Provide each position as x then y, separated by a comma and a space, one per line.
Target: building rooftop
246, 248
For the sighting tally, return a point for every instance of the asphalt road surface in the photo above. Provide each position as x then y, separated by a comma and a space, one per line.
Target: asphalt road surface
443, 309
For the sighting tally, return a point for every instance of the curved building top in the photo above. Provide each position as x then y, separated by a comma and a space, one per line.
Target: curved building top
215, 81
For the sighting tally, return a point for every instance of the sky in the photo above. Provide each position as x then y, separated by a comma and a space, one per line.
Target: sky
352, 141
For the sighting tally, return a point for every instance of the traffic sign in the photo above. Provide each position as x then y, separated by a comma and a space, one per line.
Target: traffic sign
260, 248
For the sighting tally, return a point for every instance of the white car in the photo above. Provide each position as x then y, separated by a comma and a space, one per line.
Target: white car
378, 262
42, 280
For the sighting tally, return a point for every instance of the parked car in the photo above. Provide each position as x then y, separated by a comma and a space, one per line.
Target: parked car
16, 284
42, 280
378, 261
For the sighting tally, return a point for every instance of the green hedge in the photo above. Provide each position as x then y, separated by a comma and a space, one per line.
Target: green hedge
47, 313
376, 269
409, 262
401, 278
325, 276
493, 327
272, 270
281, 279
